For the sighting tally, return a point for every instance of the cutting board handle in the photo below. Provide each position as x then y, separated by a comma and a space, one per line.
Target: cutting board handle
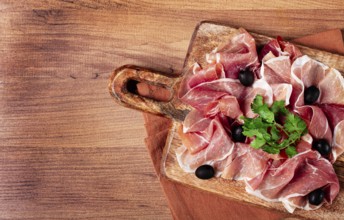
126, 77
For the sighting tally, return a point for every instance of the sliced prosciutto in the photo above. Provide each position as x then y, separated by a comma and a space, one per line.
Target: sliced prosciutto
276, 69
246, 163
219, 100
238, 54
276, 72
227, 105
213, 94
292, 180
205, 142
317, 122
278, 47
207, 90
277, 57
211, 88
325, 116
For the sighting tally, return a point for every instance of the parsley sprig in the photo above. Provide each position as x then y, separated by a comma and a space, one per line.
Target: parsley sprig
268, 133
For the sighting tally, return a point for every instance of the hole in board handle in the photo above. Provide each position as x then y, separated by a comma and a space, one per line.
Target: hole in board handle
148, 90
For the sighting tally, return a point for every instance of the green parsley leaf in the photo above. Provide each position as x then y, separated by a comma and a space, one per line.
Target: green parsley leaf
275, 133
265, 134
270, 150
258, 142
252, 123
294, 136
266, 114
252, 133
294, 123
290, 151
268, 133
278, 107
262, 109
257, 102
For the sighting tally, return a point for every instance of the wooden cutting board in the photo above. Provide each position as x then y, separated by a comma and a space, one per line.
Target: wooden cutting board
206, 37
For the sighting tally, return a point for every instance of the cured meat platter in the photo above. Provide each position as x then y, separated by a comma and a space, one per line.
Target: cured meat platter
206, 37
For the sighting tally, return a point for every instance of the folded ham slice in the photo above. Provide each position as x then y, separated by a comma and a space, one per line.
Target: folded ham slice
237, 54
276, 72
213, 94
317, 122
278, 47
205, 141
292, 180
276, 69
203, 88
246, 163
227, 105
325, 118
335, 115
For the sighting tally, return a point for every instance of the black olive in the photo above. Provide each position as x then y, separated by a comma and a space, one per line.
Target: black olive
316, 197
237, 134
322, 146
205, 172
246, 77
311, 95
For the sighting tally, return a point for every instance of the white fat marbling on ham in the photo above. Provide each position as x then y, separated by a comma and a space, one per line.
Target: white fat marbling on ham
212, 72
228, 105
210, 97
211, 89
317, 122
282, 91
277, 70
305, 144
194, 121
331, 88
307, 72
204, 93
335, 115
338, 140
238, 168
264, 89
275, 73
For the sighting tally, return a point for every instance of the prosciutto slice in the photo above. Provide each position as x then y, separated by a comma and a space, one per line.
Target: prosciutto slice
224, 95
215, 87
276, 69
278, 47
292, 180
332, 88
237, 54
276, 72
206, 142
204, 88
246, 163
317, 122
335, 115
228, 105
325, 117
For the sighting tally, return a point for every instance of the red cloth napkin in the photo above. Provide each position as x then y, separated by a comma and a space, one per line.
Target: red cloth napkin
190, 203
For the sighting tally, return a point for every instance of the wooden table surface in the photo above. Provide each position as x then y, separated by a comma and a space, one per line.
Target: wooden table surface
66, 149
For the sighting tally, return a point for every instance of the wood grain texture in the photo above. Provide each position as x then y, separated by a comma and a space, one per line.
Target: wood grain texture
66, 150
126, 76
